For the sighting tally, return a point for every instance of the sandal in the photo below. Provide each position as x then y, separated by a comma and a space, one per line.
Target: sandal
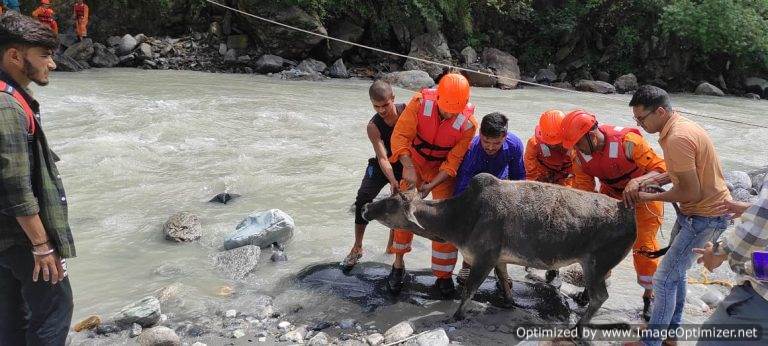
351, 260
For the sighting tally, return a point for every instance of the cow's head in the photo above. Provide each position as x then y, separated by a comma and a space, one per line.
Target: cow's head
395, 211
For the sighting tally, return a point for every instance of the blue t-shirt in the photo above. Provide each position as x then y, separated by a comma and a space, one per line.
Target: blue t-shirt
12, 4
506, 164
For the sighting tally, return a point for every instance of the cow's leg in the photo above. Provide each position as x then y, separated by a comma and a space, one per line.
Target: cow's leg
596, 268
504, 284
480, 270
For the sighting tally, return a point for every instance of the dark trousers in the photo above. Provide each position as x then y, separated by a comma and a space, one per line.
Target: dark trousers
373, 181
31, 313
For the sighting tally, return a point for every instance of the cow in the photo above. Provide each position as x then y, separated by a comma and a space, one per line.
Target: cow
527, 223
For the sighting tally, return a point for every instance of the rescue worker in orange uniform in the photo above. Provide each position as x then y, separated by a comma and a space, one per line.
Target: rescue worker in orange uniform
430, 140
44, 13
620, 158
82, 14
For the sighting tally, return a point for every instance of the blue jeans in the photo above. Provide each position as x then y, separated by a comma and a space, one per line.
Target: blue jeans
669, 282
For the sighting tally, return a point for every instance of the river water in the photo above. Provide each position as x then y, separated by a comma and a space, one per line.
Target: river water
139, 146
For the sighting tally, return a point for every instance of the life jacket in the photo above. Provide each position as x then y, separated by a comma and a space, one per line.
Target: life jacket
46, 16
611, 166
435, 136
4, 87
553, 160
80, 10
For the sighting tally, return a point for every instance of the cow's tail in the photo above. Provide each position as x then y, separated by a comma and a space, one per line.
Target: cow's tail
660, 252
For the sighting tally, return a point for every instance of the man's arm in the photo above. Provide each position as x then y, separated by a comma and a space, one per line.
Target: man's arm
637, 148
516, 165
456, 155
405, 130
533, 169
467, 170
381, 154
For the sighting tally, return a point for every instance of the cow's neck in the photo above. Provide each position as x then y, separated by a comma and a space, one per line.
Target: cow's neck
436, 218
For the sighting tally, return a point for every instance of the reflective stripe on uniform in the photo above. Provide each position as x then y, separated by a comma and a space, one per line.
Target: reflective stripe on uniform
613, 150
545, 150
442, 268
428, 104
445, 255
400, 246
459, 121
618, 128
586, 157
645, 281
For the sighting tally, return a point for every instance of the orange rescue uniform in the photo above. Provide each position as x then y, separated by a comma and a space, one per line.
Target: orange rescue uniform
546, 165
649, 216
45, 16
82, 14
408, 135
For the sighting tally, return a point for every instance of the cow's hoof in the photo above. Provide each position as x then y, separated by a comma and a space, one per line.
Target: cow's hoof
395, 280
458, 316
508, 303
445, 288
581, 298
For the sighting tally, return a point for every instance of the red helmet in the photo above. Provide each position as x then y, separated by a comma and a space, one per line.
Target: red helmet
452, 93
575, 125
550, 130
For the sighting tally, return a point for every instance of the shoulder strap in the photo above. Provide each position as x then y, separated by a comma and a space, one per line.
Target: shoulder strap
6, 88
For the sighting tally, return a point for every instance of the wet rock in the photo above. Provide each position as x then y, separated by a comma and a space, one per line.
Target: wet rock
595, 86
431, 46
224, 198
338, 70
563, 85
244, 59
278, 255
738, 179
757, 86
114, 41
231, 56
752, 96
135, 330
237, 42
81, 51
626, 83
469, 55
312, 66
269, 64
88, 323
297, 335
483, 78
127, 44
347, 323
262, 229
741, 195
411, 80
603, 76
145, 312
144, 52
374, 339
127, 60
238, 263
319, 339
141, 38
321, 325
757, 181
182, 227
505, 66
66, 64
345, 30
102, 57
108, 329
399, 332
284, 325
159, 336
545, 76
295, 74
709, 90
436, 337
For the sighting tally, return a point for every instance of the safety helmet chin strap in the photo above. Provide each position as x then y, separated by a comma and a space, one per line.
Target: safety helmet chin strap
589, 140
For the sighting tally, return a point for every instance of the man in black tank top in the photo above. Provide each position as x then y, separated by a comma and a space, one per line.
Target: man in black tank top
380, 171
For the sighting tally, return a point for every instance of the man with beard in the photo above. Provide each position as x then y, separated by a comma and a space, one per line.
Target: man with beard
35, 294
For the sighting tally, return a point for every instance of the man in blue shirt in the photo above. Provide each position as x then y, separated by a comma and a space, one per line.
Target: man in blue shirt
12, 5
495, 151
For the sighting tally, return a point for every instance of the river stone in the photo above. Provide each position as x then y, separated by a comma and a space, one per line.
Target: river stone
436, 337
469, 55
269, 64
480, 78
295, 74
238, 263
347, 323
297, 335
312, 65
738, 179
741, 195
603, 76
103, 57
81, 51
319, 339
145, 312
159, 336
135, 330
278, 256
144, 52
595, 86
752, 96
757, 86
626, 83
127, 44
262, 229
545, 76
399, 332
375, 339
107, 329
709, 90
563, 85
338, 70
114, 41
505, 65
183, 226
66, 64
757, 181
412, 80
430, 46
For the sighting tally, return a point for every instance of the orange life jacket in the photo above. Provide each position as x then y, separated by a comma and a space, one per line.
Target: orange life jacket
4, 87
611, 166
435, 136
80, 10
554, 160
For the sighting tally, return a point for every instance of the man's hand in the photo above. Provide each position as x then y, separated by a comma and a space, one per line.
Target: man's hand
409, 175
632, 193
708, 257
394, 187
425, 189
48, 266
732, 208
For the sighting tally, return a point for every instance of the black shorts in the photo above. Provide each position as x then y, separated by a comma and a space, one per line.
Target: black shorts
373, 181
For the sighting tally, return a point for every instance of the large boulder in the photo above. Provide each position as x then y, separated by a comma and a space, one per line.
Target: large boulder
238, 263
127, 44
545, 76
103, 57
159, 336
312, 65
469, 55
626, 83
595, 86
114, 41
347, 31
81, 51
262, 229
757, 86
268, 63
709, 90
145, 312
183, 226
282, 41
431, 46
738, 179
436, 337
412, 80
66, 64
483, 78
144, 52
505, 66
338, 70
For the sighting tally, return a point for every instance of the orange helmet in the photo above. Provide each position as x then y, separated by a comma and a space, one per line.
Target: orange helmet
549, 130
452, 93
45, 2
575, 125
